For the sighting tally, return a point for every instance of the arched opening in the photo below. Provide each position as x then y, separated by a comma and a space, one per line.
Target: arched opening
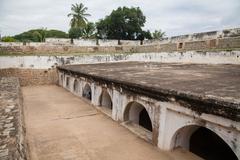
61, 79
204, 143
137, 114
210, 146
105, 100
75, 86
67, 82
87, 92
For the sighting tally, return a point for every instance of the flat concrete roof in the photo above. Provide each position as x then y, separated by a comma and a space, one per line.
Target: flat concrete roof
217, 84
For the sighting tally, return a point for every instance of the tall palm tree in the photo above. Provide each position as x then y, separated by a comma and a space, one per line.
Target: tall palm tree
78, 14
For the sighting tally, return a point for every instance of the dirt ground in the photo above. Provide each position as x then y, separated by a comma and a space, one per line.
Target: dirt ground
61, 126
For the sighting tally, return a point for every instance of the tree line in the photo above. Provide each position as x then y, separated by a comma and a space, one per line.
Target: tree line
122, 24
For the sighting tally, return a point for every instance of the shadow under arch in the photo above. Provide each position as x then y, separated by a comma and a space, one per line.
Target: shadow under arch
87, 92
203, 142
137, 114
105, 100
61, 79
75, 85
67, 82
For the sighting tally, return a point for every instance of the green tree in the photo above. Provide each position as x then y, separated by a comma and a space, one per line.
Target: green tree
147, 34
56, 34
144, 34
42, 32
75, 33
78, 14
36, 36
8, 39
123, 23
39, 35
158, 34
89, 30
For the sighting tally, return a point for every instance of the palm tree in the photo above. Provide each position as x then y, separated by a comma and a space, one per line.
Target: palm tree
78, 14
158, 34
89, 30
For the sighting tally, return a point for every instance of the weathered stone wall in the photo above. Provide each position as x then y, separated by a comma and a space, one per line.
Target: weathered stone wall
45, 62
228, 43
12, 128
31, 76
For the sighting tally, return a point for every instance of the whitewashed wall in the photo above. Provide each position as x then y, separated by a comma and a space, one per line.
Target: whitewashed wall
44, 62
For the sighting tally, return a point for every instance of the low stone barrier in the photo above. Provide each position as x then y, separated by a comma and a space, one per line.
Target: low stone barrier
12, 128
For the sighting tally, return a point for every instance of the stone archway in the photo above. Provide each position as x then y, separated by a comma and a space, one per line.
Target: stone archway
136, 113
87, 92
202, 142
106, 100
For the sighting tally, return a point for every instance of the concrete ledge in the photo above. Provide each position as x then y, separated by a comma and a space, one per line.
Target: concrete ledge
12, 128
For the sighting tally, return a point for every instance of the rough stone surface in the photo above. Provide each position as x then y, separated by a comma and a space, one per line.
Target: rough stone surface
31, 76
212, 89
229, 43
12, 132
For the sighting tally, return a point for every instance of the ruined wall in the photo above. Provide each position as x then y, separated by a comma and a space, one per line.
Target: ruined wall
31, 76
223, 40
206, 45
12, 128
226, 33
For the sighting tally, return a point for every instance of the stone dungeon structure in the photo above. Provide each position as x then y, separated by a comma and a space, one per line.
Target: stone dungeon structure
179, 92
169, 105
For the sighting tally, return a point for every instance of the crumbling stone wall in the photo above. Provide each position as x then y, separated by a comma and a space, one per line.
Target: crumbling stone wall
12, 128
228, 43
31, 76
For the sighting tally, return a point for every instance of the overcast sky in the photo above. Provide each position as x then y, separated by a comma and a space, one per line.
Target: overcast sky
175, 17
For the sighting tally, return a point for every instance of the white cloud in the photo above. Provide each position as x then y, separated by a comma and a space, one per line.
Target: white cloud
173, 16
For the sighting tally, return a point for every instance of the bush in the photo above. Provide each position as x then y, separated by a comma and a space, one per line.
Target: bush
8, 39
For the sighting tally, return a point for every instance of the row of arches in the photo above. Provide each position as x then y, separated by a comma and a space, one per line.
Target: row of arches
197, 139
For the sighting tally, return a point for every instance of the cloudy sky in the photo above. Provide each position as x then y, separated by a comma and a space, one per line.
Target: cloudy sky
175, 17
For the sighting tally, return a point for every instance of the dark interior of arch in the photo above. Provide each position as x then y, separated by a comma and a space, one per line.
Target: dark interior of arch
67, 83
144, 120
210, 146
75, 85
87, 93
106, 100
